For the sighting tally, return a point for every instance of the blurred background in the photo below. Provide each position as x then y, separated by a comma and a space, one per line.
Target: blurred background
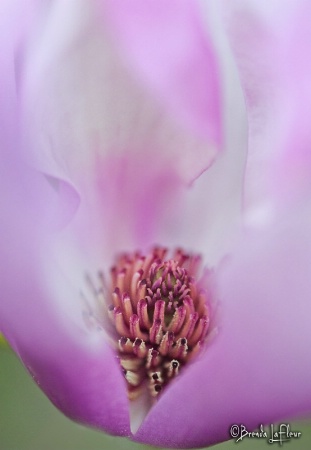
28, 421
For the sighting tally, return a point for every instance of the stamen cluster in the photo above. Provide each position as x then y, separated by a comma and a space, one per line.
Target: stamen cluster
159, 315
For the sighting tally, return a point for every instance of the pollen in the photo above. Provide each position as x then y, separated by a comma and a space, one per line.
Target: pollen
159, 317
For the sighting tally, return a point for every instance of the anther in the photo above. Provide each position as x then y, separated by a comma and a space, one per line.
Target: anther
156, 332
120, 324
189, 326
130, 363
200, 331
133, 378
180, 349
127, 307
134, 284
153, 358
142, 312
159, 309
120, 280
139, 348
166, 343
172, 368
125, 345
135, 330
116, 297
155, 377
178, 319
141, 289
188, 302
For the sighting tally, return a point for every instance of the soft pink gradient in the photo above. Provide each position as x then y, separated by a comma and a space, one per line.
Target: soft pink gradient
272, 57
121, 193
172, 32
69, 364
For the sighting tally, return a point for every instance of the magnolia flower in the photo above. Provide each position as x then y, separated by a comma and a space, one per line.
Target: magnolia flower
123, 126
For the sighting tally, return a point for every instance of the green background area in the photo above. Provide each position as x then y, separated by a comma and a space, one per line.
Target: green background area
28, 421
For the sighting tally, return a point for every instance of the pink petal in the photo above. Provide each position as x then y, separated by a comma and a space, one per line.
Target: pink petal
117, 213
292, 165
211, 207
16, 31
272, 57
257, 369
168, 47
72, 364
43, 317
81, 99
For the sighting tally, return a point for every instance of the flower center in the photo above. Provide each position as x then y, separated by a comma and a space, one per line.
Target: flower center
160, 317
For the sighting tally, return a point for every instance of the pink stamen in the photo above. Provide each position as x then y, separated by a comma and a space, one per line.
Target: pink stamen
135, 328
156, 332
127, 307
160, 314
142, 312
121, 326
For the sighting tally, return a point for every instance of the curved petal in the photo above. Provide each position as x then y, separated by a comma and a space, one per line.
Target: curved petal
255, 40
81, 101
17, 22
44, 319
72, 364
172, 53
272, 57
291, 170
75, 367
257, 368
211, 206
